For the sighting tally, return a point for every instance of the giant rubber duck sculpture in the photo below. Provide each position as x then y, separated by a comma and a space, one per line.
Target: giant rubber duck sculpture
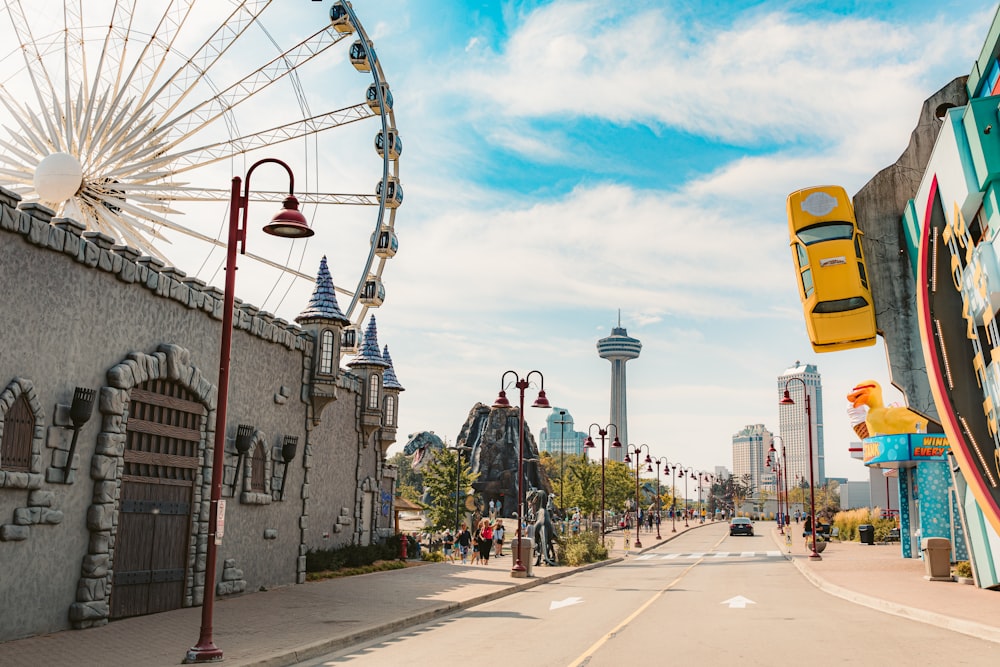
883, 420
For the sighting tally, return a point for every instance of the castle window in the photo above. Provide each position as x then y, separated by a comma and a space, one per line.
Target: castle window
390, 411
18, 431
374, 383
326, 352
258, 461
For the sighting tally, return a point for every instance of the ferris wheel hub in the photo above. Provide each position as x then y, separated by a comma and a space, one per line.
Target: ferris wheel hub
58, 177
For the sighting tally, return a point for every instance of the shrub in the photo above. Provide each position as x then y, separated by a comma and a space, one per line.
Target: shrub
585, 547
353, 555
847, 522
882, 529
963, 569
432, 556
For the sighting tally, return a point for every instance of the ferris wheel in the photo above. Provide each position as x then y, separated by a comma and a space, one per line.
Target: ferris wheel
121, 114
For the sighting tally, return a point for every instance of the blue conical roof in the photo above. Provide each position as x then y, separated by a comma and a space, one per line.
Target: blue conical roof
323, 304
389, 380
369, 353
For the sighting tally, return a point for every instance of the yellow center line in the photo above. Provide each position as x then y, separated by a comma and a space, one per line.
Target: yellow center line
586, 655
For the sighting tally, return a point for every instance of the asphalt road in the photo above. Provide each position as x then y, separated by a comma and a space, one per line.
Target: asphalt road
703, 598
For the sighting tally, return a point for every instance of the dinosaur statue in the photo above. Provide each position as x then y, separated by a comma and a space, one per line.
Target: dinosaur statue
422, 447
544, 534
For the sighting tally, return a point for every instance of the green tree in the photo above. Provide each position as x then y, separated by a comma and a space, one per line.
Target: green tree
441, 485
409, 483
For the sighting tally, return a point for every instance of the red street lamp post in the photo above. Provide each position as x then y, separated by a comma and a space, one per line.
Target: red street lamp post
502, 402
787, 400
636, 449
659, 500
589, 443
772, 464
673, 498
702, 478
287, 223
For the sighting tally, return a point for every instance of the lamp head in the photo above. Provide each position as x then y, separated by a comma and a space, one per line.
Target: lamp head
541, 401
616, 442
589, 443
289, 222
786, 399
501, 401
627, 459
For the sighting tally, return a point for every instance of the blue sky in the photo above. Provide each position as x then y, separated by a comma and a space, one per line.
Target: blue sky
568, 159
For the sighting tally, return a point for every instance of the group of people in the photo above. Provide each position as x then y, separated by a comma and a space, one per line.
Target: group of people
475, 547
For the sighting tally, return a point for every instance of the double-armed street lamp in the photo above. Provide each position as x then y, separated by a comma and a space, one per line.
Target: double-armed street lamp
541, 402
636, 449
702, 478
662, 460
602, 431
781, 469
287, 223
787, 400
673, 497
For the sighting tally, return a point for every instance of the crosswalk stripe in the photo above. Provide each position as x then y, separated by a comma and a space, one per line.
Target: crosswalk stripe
711, 554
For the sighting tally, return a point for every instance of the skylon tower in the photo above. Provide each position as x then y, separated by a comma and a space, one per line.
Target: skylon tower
618, 348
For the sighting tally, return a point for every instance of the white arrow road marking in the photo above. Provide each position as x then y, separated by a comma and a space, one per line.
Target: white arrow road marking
556, 604
738, 602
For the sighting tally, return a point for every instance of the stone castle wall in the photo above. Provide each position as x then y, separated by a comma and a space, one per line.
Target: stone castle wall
77, 310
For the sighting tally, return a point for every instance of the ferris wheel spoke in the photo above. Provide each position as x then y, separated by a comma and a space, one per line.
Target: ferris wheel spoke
44, 90
224, 150
152, 59
179, 84
194, 119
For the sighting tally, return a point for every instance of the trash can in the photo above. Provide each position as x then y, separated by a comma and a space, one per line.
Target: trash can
937, 558
524, 548
866, 532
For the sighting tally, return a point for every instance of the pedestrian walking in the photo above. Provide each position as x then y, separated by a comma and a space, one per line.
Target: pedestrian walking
447, 542
485, 541
498, 534
464, 542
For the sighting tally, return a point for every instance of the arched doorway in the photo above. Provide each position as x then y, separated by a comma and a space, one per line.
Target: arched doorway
164, 431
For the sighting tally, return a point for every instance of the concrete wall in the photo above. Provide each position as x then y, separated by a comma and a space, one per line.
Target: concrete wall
76, 311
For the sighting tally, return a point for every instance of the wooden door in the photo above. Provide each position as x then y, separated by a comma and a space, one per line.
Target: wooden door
164, 433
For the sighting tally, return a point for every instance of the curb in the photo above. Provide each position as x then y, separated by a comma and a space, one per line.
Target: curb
962, 626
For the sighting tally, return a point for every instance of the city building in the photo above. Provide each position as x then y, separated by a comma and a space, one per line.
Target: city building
558, 437
792, 424
750, 448
618, 348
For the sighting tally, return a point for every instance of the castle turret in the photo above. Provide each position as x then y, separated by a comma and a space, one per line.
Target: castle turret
390, 402
370, 367
323, 320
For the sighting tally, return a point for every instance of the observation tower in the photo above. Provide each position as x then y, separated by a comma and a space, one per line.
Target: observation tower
618, 348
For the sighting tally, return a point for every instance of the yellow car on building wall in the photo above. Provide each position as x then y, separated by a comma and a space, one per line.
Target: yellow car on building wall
832, 278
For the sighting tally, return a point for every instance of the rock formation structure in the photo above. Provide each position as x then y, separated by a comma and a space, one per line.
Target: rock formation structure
493, 434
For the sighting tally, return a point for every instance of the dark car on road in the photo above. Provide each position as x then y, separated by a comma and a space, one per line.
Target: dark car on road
741, 525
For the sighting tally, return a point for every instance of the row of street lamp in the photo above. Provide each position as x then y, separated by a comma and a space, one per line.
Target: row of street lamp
290, 223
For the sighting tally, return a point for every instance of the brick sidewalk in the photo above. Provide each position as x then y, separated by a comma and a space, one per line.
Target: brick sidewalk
877, 576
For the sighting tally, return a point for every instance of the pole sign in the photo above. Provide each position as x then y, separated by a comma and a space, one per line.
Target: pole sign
904, 450
220, 521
